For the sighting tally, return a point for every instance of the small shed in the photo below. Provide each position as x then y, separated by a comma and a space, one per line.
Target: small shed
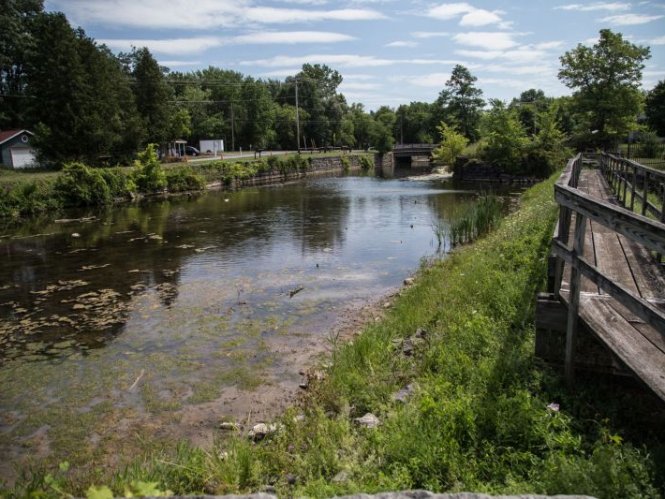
15, 149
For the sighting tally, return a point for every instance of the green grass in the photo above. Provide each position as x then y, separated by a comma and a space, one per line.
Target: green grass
478, 418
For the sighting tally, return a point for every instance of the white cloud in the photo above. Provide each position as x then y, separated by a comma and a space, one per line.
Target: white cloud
480, 18
448, 11
290, 37
660, 40
527, 69
435, 80
611, 6
402, 43
358, 86
201, 15
486, 40
359, 77
181, 46
271, 15
173, 46
630, 19
174, 64
430, 34
470, 15
519, 55
343, 60
548, 45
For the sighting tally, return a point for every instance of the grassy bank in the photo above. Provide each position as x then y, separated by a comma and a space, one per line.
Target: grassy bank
28, 193
478, 411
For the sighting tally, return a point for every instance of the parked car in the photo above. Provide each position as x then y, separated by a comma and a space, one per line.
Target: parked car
192, 151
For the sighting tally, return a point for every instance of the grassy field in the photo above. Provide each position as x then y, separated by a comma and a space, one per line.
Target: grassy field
461, 401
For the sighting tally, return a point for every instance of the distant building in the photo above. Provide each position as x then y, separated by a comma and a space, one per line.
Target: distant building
15, 149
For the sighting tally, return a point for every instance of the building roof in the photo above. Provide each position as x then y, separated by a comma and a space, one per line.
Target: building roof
6, 135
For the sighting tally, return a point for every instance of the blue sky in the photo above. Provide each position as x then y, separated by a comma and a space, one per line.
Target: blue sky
388, 51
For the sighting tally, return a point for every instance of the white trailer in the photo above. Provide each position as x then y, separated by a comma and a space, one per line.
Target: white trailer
211, 146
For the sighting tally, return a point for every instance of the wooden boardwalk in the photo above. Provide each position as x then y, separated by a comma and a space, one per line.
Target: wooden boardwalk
620, 295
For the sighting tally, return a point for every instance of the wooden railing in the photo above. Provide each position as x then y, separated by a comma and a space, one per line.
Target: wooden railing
650, 233
637, 187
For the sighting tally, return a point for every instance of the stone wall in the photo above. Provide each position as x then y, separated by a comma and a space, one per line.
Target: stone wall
318, 166
475, 170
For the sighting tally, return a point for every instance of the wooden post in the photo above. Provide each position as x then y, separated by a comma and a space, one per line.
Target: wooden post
574, 299
624, 179
645, 193
632, 189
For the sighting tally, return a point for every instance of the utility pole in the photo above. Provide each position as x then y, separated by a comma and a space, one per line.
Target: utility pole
233, 136
297, 117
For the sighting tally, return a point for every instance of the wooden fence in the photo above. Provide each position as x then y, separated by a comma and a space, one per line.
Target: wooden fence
637, 227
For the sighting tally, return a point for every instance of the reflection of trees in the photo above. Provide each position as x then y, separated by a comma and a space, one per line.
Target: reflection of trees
136, 248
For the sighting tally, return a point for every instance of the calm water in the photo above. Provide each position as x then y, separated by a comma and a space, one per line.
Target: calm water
156, 318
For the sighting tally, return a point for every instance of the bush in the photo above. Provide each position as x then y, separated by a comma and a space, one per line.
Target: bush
27, 199
79, 185
120, 183
451, 146
149, 175
184, 179
366, 163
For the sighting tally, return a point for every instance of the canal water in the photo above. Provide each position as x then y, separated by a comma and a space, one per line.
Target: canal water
141, 325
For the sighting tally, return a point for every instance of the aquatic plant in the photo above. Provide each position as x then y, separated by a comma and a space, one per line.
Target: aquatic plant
474, 220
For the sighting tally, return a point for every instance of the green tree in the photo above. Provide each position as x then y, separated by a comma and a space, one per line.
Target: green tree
528, 105
452, 144
461, 102
655, 108
16, 40
414, 124
152, 95
381, 132
259, 115
606, 79
505, 137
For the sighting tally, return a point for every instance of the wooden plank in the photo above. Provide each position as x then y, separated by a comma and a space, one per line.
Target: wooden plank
638, 228
648, 277
635, 304
611, 260
657, 339
638, 353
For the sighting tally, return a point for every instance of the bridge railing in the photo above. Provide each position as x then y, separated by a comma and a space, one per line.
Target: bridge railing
650, 233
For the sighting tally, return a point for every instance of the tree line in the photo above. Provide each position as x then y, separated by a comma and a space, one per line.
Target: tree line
88, 104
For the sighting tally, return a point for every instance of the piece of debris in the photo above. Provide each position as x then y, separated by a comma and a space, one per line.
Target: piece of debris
229, 426
369, 420
261, 430
409, 281
404, 394
295, 291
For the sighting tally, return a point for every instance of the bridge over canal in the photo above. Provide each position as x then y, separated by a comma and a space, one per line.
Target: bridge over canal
413, 155
605, 306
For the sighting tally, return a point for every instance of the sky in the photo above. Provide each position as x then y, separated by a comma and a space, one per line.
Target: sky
389, 52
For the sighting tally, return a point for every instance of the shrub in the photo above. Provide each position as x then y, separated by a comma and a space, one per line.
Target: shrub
79, 185
505, 138
120, 183
149, 175
452, 145
184, 179
366, 163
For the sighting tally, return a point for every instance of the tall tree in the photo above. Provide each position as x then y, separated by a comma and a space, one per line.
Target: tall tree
16, 40
152, 95
57, 89
529, 104
606, 79
257, 129
655, 108
81, 104
462, 102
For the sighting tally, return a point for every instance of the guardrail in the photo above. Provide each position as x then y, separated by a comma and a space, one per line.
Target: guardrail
637, 227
